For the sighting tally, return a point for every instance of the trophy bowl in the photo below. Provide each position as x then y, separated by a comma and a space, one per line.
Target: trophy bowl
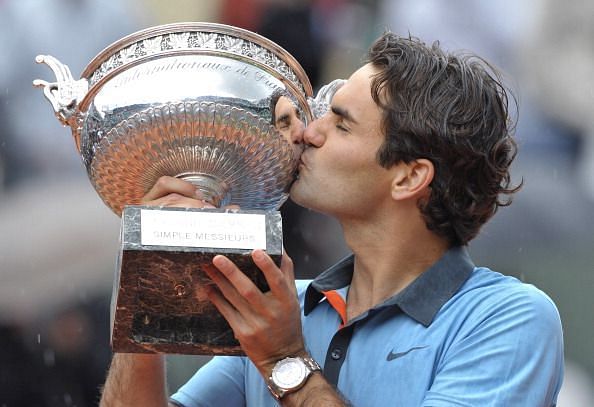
189, 100
201, 102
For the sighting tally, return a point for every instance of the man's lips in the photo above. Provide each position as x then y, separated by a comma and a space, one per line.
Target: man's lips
302, 162
301, 166
297, 153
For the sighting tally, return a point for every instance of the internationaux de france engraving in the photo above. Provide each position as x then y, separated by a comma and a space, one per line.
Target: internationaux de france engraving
196, 40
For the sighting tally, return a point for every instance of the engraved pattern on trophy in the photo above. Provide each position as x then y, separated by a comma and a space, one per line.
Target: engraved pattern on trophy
191, 139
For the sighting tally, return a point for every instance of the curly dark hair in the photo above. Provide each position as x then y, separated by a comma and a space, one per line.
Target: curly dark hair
451, 109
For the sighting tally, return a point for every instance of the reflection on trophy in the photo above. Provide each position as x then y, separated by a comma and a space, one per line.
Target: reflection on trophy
211, 104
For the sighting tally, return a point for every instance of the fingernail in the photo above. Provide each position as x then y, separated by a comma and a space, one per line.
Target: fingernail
221, 260
258, 254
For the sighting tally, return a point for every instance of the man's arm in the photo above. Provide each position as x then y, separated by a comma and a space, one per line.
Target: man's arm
139, 379
268, 325
135, 380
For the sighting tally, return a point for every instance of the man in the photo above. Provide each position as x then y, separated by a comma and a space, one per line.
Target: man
412, 159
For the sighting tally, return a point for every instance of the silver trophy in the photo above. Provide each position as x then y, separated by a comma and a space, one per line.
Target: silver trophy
201, 102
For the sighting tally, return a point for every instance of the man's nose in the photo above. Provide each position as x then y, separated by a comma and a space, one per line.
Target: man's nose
313, 134
297, 131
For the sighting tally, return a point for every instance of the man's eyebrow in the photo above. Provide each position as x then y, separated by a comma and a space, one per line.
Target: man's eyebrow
284, 118
345, 114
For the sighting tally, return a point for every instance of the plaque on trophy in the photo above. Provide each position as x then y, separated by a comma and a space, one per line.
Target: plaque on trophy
197, 101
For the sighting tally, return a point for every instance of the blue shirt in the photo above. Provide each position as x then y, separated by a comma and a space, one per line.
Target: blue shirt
458, 335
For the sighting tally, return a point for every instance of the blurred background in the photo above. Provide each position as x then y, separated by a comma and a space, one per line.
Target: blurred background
58, 242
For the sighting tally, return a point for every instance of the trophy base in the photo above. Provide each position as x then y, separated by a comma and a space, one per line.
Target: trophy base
159, 304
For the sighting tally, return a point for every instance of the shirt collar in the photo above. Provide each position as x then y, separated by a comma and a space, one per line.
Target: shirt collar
421, 299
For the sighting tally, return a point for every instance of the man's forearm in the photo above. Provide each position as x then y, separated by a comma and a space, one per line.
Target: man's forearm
135, 380
316, 392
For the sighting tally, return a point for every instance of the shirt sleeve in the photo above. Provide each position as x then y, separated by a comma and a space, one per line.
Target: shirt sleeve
218, 383
509, 353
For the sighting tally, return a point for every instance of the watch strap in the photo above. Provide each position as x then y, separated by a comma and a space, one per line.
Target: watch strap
311, 364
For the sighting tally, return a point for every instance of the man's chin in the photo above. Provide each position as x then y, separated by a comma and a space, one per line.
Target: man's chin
295, 193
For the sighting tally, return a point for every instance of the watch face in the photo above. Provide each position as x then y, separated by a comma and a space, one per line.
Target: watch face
289, 373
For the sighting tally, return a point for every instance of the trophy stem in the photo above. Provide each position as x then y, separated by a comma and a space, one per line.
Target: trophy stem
213, 189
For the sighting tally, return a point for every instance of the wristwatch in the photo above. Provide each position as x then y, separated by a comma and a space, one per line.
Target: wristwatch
290, 374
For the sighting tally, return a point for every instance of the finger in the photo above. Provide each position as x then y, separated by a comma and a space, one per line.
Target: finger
237, 288
231, 315
175, 200
288, 270
278, 280
166, 185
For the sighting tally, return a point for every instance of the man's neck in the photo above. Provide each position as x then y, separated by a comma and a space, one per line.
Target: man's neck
387, 260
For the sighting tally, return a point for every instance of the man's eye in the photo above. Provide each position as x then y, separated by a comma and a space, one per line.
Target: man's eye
341, 127
283, 122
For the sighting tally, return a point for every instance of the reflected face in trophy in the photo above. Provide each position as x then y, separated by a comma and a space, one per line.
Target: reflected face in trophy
339, 173
287, 120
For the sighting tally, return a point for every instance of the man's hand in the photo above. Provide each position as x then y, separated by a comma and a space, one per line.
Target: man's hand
267, 325
175, 192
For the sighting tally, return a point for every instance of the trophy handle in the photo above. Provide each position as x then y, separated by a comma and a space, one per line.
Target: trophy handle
321, 103
65, 93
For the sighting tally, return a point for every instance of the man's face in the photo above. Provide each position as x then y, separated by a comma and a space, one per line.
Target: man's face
339, 174
287, 121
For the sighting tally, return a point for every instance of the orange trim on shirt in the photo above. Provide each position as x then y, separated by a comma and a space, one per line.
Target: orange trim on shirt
338, 303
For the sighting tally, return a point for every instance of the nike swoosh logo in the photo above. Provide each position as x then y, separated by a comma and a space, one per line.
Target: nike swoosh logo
392, 355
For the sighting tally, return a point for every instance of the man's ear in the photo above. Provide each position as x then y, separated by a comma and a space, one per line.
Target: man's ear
412, 179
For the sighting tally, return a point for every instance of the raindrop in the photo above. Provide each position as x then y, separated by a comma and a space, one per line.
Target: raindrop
38, 338
67, 399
